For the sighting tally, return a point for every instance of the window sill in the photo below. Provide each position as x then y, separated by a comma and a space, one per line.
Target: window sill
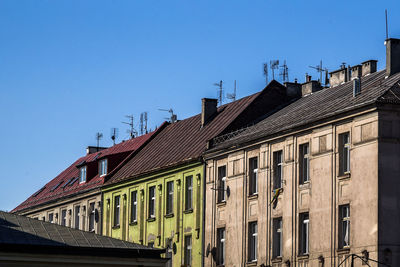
133, 223
188, 211
305, 185
169, 215
253, 196
344, 176
277, 259
151, 219
116, 226
303, 256
251, 263
341, 251
221, 204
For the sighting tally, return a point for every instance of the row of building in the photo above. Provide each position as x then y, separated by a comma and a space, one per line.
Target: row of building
294, 175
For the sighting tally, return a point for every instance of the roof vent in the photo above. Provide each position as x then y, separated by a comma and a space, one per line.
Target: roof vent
356, 87
208, 110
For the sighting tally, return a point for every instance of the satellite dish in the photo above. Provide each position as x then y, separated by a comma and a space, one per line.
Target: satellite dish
228, 191
214, 253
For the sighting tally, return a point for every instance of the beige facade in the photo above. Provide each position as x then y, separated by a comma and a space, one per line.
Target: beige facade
313, 206
76, 212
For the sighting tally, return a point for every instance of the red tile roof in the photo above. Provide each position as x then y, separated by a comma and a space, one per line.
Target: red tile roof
180, 142
57, 188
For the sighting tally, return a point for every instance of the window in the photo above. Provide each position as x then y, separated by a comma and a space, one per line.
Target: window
277, 238
278, 164
304, 233
344, 153
189, 193
92, 214
134, 206
103, 167
253, 166
170, 197
344, 226
304, 163
64, 217
188, 251
43, 218
221, 246
77, 216
150, 244
221, 184
117, 207
82, 175
253, 241
51, 217
152, 202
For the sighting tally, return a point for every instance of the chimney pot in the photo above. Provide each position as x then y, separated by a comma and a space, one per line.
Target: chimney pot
208, 110
392, 56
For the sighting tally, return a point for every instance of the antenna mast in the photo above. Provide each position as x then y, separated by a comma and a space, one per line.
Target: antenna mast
273, 64
284, 72
320, 70
220, 95
143, 123
266, 73
173, 117
114, 135
232, 96
387, 34
131, 131
98, 137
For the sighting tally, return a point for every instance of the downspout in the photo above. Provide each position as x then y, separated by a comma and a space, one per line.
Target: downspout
101, 212
333, 196
269, 222
244, 231
203, 233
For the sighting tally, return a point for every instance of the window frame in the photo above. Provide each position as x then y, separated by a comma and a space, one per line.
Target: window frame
252, 245
344, 220
277, 240
344, 153
152, 202
64, 217
50, 217
222, 184
103, 167
278, 175
169, 208
253, 176
82, 174
92, 216
221, 249
304, 163
77, 213
117, 211
189, 193
134, 206
188, 250
304, 233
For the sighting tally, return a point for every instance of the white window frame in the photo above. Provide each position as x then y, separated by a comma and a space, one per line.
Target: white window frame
134, 206
189, 192
221, 232
82, 174
152, 202
117, 211
222, 184
305, 163
344, 239
278, 184
253, 241
253, 190
103, 167
170, 198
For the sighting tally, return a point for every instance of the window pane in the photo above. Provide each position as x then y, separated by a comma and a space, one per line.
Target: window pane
278, 169
253, 239
170, 197
189, 193
188, 251
91, 216
253, 162
116, 210
77, 215
221, 183
133, 206
221, 246
64, 217
152, 201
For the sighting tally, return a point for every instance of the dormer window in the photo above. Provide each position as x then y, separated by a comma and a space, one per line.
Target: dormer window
103, 167
82, 175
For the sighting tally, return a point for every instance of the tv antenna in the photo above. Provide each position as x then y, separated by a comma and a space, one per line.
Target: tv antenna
232, 96
266, 73
132, 130
98, 137
173, 117
220, 95
143, 123
320, 70
284, 72
273, 64
114, 135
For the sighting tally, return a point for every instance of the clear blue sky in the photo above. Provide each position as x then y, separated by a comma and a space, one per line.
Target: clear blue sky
69, 69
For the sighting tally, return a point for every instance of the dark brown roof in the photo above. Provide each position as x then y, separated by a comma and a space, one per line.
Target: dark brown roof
321, 105
180, 142
17, 230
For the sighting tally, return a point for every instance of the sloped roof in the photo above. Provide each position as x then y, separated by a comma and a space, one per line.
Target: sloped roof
180, 142
321, 105
47, 194
21, 230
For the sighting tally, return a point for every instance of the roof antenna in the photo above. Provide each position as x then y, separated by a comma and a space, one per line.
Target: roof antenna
173, 118
284, 72
387, 34
320, 70
232, 96
220, 95
132, 130
98, 137
266, 73
114, 135
143, 123
273, 64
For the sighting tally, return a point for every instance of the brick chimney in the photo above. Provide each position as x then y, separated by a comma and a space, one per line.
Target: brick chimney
368, 67
356, 72
208, 110
338, 76
94, 149
310, 87
392, 56
293, 89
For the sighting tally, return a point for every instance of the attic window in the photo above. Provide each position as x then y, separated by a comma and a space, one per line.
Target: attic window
38, 192
64, 185
55, 187
82, 175
103, 167
73, 181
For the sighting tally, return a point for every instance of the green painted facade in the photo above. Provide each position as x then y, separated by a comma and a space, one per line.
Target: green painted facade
160, 228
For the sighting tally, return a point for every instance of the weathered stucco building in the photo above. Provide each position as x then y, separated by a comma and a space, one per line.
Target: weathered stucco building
314, 183
73, 198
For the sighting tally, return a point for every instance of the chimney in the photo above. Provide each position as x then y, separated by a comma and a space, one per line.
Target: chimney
368, 67
293, 89
94, 149
392, 56
208, 110
356, 72
339, 76
310, 87
308, 78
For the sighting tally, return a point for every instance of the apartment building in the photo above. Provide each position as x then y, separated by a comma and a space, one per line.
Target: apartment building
73, 198
315, 183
